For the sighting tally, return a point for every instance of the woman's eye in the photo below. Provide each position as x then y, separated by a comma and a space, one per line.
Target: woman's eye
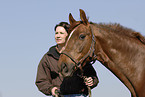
61, 33
82, 36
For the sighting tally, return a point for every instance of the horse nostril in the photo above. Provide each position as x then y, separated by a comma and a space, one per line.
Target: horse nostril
64, 68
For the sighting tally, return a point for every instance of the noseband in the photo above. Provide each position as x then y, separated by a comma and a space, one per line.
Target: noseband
90, 53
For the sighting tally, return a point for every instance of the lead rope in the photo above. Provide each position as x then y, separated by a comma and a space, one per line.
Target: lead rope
89, 89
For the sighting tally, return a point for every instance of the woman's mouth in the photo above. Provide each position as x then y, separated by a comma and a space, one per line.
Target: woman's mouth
58, 39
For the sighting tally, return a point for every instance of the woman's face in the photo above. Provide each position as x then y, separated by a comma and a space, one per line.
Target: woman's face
60, 35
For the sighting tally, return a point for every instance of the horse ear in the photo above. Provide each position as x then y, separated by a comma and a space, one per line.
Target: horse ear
83, 17
71, 19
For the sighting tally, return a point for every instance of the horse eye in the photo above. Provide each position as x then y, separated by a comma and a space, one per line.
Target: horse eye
82, 36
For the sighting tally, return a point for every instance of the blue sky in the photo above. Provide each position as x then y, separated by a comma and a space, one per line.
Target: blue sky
27, 32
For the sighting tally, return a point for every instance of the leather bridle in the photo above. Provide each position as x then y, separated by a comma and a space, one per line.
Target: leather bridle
90, 53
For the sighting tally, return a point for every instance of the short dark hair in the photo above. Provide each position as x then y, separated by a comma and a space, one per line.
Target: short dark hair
63, 24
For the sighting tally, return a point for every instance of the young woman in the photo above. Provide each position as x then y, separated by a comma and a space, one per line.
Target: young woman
48, 79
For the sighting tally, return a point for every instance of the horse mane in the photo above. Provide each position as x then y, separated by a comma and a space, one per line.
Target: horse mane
119, 29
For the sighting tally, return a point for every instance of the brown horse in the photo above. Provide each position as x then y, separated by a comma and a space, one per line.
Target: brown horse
118, 48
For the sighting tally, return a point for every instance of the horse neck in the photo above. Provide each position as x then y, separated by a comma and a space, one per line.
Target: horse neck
119, 48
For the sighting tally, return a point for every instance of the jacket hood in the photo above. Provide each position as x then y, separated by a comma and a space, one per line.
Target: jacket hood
53, 52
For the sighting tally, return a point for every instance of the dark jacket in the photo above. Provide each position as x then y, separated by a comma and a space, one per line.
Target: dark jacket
48, 76
75, 84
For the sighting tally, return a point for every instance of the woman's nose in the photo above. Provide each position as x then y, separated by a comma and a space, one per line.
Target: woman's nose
58, 35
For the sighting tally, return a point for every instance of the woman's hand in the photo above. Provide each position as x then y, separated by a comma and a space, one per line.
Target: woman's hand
53, 91
89, 81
